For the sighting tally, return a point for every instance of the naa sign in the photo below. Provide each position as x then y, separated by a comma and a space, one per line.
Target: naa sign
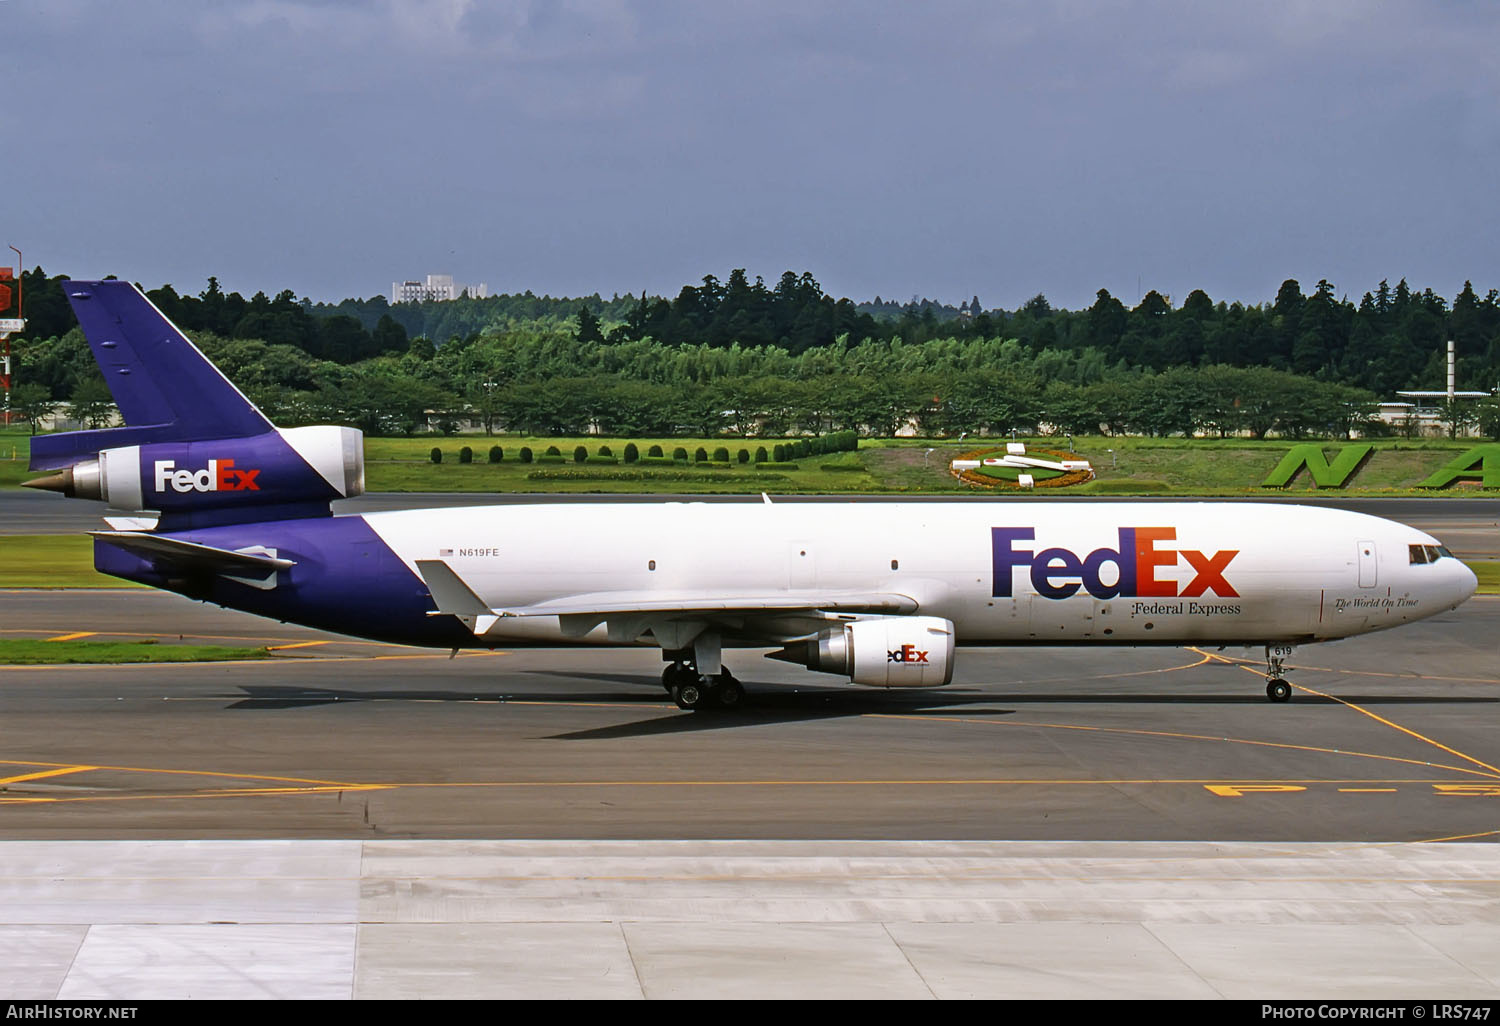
1480, 464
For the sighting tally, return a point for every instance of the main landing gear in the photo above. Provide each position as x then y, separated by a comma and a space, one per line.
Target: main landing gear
1277, 689
693, 690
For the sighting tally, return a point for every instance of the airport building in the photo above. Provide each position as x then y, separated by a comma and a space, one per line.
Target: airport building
437, 288
1425, 412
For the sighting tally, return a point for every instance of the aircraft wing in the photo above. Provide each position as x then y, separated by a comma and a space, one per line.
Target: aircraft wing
633, 612
605, 603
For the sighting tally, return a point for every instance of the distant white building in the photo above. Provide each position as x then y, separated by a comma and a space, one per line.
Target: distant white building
437, 288
1421, 412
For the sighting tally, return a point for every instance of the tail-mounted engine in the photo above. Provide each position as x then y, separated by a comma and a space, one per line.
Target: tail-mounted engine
284, 467
886, 651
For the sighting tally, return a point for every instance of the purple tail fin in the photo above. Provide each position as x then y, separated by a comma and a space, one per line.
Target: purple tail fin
166, 389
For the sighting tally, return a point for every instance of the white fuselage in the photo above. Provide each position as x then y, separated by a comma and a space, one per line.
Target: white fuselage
1026, 572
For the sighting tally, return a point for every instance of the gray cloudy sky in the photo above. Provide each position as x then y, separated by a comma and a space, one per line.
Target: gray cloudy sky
941, 148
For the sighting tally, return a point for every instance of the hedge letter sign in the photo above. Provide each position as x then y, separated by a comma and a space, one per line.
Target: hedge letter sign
1481, 462
1324, 474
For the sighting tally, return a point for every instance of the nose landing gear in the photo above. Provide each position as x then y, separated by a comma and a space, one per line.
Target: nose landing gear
1277, 689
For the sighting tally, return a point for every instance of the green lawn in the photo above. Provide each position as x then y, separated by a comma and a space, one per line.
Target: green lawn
1488, 572
52, 561
28, 652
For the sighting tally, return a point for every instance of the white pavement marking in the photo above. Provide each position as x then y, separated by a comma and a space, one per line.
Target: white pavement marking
626, 919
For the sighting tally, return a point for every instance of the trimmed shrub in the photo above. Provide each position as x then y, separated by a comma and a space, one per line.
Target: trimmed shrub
743, 456
580, 453
679, 453
721, 454
655, 450
553, 450
760, 454
778, 453
525, 454
631, 452
605, 450
496, 454
436, 455
466, 455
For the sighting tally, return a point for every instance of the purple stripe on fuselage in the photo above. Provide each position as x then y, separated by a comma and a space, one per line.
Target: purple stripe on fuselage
346, 580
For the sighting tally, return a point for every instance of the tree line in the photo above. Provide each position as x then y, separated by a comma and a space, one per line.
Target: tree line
1303, 365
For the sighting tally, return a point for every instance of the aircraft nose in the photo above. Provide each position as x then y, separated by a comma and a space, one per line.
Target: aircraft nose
1465, 581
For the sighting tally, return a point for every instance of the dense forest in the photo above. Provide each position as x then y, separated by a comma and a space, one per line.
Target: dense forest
740, 356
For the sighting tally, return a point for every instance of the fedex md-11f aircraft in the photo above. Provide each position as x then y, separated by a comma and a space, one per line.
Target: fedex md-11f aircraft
227, 508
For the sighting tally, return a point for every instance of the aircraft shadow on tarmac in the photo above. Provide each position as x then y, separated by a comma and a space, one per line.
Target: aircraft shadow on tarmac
780, 703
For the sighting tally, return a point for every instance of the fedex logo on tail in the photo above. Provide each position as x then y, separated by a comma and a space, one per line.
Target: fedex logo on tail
1058, 573
218, 476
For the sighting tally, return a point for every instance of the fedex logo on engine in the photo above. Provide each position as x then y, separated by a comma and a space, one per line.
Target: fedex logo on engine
1058, 573
905, 654
218, 476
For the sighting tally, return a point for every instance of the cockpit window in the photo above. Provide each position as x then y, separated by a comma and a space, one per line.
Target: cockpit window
1427, 553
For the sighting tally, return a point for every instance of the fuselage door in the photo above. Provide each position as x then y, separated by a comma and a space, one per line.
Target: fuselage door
1367, 570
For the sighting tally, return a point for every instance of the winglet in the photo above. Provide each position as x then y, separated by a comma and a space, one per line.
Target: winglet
455, 598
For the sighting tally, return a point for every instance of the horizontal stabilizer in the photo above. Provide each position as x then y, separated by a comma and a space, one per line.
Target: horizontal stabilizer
193, 555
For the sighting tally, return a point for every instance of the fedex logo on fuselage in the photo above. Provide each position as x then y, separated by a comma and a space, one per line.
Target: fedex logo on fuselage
218, 476
1058, 573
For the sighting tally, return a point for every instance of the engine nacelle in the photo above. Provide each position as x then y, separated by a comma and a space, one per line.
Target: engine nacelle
281, 467
885, 651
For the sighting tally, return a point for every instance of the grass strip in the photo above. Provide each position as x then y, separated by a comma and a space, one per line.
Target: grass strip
1488, 572
52, 561
31, 652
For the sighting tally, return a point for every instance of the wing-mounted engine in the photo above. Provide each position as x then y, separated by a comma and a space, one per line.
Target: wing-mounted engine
277, 468
883, 651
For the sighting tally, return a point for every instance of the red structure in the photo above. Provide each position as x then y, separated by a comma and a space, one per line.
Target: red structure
12, 320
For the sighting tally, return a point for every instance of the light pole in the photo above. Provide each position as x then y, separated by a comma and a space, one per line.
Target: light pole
489, 416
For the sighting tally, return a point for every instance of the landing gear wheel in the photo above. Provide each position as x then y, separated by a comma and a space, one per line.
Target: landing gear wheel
689, 696
730, 693
677, 673
1277, 689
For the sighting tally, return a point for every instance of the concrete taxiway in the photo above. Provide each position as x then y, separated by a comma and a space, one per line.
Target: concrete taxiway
348, 819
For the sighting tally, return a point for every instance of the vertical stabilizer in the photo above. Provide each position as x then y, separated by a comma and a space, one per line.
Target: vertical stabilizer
165, 388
